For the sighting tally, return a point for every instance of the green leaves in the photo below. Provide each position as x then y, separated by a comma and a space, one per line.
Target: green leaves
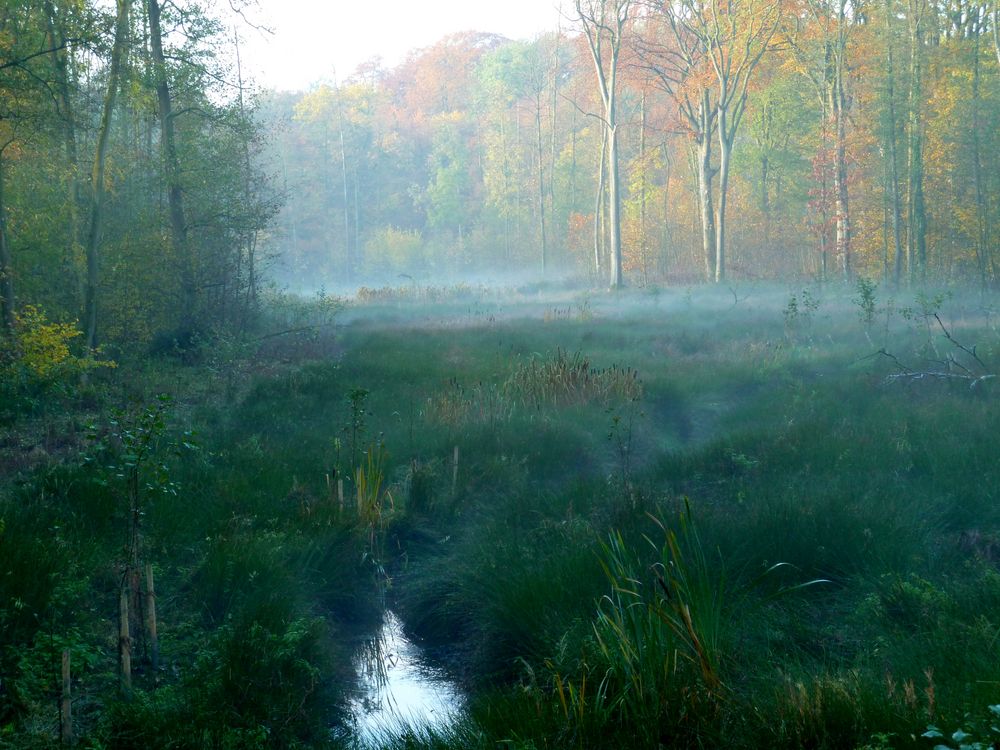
982, 735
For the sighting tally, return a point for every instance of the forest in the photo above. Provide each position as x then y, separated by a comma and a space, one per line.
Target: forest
633, 385
813, 140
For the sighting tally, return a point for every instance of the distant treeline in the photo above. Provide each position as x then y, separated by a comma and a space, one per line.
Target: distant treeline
754, 139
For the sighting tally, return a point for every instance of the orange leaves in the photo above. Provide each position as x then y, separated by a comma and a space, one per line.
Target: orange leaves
440, 79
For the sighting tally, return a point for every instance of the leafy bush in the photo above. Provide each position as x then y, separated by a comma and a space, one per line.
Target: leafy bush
866, 301
257, 685
38, 359
265, 672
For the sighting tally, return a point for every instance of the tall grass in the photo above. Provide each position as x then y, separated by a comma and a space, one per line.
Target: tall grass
570, 378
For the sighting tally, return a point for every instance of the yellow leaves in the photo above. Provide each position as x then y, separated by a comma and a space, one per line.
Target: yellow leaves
42, 349
319, 104
44, 345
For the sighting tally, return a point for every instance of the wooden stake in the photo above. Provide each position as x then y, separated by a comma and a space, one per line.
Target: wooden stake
454, 471
66, 704
154, 642
124, 644
340, 494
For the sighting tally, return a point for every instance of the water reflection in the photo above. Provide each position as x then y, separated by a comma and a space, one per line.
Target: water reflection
397, 688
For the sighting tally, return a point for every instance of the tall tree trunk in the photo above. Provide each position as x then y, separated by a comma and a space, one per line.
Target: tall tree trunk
57, 43
517, 182
541, 182
765, 197
604, 22
643, 244
572, 165
348, 257
824, 234
359, 256
916, 243
983, 249
885, 227
602, 169
171, 163
895, 208
705, 175
725, 150
614, 208
250, 237
667, 243
557, 236
6, 271
996, 30
838, 106
505, 173
97, 173
765, 141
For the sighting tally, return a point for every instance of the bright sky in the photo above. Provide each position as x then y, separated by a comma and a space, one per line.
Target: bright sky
314, 37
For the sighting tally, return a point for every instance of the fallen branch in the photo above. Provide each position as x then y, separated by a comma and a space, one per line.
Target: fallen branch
288, 332
908, 374
950, 367
913, 376
971, 352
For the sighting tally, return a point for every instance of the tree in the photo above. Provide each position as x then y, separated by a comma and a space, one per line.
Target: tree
916, 236
676, 58
733, 36
514, 72
984, 249
20, 42
892, 160
171, 163
604, 24
995, 23
819, 35
6, 267
97, 187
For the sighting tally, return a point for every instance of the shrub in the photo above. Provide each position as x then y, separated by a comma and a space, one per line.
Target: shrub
39, 359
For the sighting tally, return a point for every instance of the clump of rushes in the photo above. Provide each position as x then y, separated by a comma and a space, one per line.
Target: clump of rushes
570, 379
538, 382
375, 503
661, 631
662, 638
483, 403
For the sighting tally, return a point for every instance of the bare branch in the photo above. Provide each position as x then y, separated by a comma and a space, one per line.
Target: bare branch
971, 352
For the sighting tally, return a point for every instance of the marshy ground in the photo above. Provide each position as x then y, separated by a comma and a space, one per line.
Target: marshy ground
683, 518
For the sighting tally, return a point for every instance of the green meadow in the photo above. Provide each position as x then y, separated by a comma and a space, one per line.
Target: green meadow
758, 517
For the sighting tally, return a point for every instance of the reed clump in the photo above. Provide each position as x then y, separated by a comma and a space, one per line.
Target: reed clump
535, 383
565, 379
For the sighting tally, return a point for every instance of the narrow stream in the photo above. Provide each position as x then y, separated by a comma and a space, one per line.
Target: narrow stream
397, 688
